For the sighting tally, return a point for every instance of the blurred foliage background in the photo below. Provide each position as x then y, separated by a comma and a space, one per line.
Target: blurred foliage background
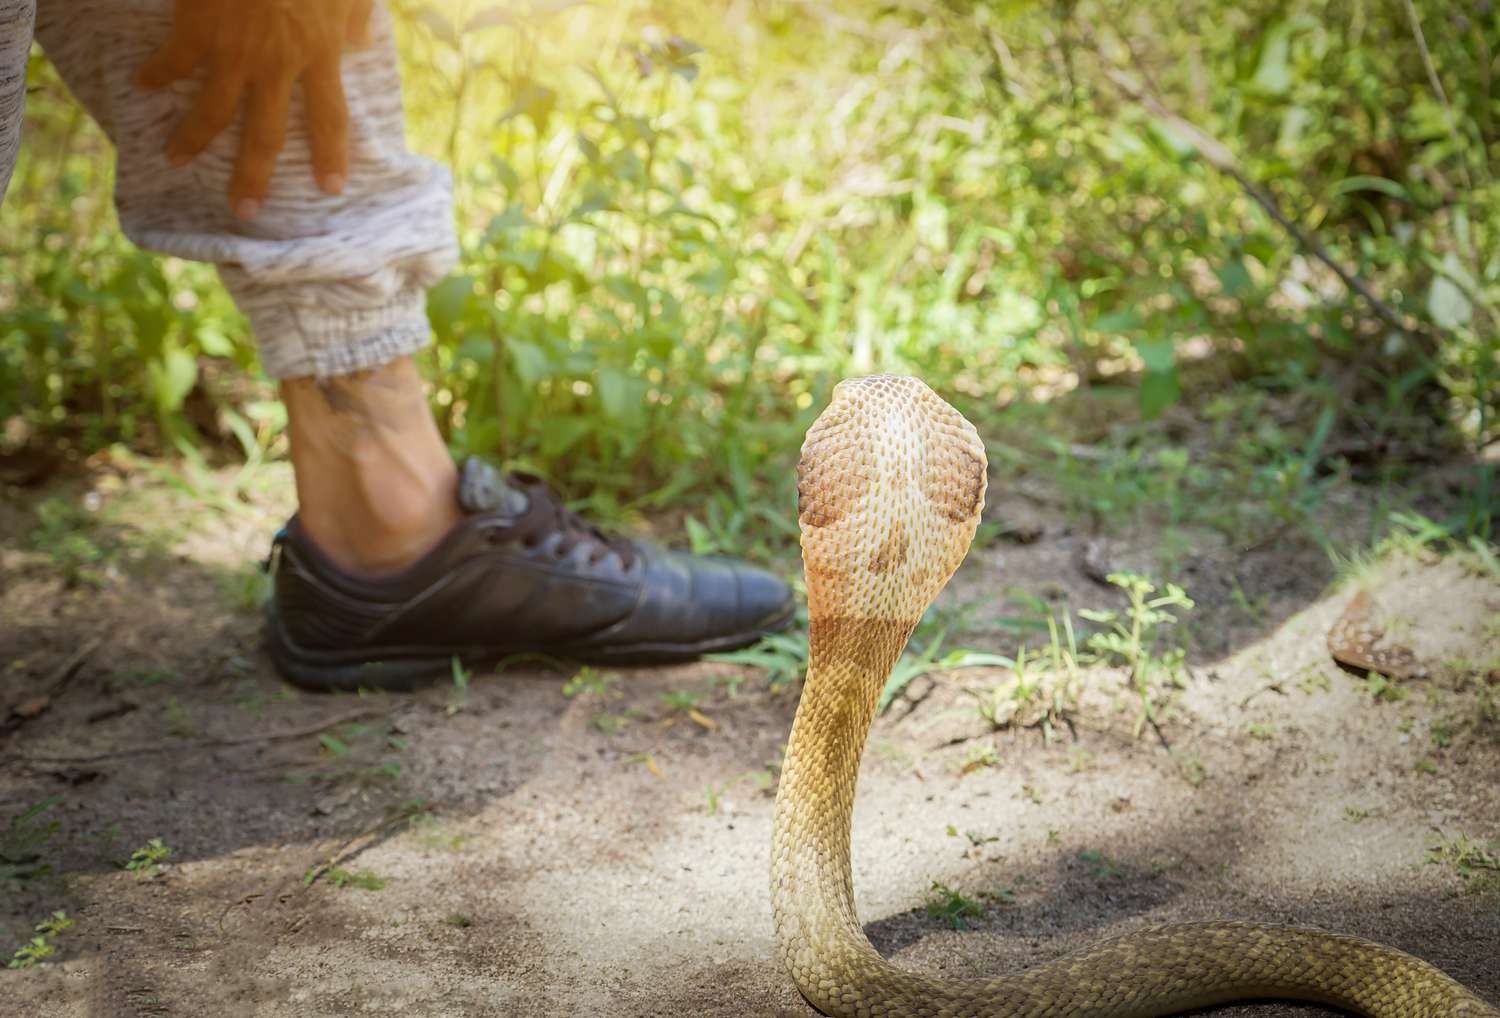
682, 222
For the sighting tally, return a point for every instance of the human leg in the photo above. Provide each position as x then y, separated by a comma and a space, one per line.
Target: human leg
334, 286
395, 564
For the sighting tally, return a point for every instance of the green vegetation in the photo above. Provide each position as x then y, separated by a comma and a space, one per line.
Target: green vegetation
40, 947
23, 840
1132, 640
680, 226
1477, 863
146, 861
365, 880
946, 905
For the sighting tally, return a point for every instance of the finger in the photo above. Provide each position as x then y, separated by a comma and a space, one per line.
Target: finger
173, 61
212, 112
327, 122
261, 138
357, 28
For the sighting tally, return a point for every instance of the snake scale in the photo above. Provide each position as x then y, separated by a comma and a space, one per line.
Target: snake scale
890, 489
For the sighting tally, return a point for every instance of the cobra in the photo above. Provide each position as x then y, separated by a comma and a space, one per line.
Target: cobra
890, 490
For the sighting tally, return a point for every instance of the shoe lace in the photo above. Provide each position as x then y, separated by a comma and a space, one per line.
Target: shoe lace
550, 515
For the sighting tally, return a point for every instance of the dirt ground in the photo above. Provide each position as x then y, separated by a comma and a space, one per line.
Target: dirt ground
526, 846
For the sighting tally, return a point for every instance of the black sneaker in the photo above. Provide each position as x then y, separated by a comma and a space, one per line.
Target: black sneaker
520, 574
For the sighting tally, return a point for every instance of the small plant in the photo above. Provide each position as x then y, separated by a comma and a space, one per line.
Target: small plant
1263, 730
589, 681
22, 841
1476, 863
62, 533
1355, 814
40, 947
1190, 766
146, 861
980, 756
458, 920
1383, 689
712, 796
177, 719
1131, 640
461, 677
365, 880
1104, 867
946, 905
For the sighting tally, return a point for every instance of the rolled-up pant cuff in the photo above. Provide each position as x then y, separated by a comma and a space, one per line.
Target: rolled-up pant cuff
311, 342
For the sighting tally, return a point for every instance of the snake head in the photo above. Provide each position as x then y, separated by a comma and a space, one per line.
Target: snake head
890, 488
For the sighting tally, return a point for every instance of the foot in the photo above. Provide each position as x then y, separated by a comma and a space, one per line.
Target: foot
518, 573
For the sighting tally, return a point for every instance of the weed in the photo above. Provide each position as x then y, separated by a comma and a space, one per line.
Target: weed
944, 904
589, 681
146, 861
978, 756
1104, 867
1263, 730
1425, 766
64, 532
23, 840
1476, 863
712, 796
1384, 689
1441, 733
461, 678
1355, 814
458, 920
177, 719
1132, 641
40, 947
1190, 767
365, 880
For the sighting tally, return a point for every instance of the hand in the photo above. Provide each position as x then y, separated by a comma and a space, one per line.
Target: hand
260, 48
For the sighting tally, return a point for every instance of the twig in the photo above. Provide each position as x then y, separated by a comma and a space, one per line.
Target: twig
196, 744
1437, 87
1220, 158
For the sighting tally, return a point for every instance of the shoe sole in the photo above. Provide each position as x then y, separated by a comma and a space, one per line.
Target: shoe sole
401, 669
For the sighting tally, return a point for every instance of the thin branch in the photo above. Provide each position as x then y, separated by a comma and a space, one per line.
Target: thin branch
1217, 155
1437, 87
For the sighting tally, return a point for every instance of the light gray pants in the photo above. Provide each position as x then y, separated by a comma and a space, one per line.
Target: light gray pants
331, 283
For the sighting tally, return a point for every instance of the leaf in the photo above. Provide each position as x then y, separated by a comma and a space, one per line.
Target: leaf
1366, 182
1159, 387
620, 395
1447, 304
1273, 75
1234, 277
528, 360
172, 378
445, 303
212, 341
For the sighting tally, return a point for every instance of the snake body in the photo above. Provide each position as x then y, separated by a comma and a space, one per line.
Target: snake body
890, 489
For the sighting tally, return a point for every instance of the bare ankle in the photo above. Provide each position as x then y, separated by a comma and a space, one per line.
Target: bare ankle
377, 488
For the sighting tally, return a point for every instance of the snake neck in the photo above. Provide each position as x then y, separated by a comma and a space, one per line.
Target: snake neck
812, 891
